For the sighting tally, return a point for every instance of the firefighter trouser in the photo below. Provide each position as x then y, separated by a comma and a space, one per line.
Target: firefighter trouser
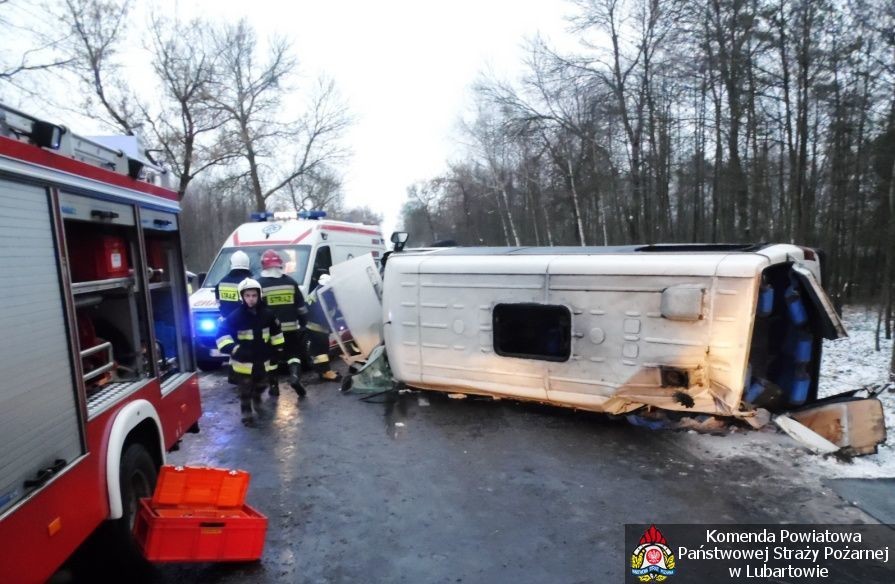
319, 350
294, 349
250, 391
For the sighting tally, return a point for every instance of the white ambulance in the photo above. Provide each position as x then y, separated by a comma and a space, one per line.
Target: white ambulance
309, 245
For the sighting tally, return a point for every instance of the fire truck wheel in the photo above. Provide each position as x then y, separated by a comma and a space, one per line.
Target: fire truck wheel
137, 477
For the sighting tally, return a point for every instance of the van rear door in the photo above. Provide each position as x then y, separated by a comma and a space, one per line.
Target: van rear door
831, 325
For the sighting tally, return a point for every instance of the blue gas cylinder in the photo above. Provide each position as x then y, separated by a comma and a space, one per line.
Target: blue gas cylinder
803, 347
799, 386
755, 389
795, 307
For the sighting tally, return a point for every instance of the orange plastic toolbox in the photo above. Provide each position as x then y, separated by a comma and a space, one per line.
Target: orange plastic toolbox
200, 515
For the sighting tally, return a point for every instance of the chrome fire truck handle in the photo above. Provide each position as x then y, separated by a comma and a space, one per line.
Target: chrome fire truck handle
104, 214
45, 474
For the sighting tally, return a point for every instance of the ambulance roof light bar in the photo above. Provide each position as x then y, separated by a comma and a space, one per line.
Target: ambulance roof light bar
292, 215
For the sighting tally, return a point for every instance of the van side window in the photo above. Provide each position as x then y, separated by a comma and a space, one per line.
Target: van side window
322, 263
533, 331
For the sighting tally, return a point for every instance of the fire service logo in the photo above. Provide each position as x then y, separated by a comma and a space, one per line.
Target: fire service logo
652, 560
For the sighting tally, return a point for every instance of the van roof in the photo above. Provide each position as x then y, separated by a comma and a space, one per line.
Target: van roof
594, 250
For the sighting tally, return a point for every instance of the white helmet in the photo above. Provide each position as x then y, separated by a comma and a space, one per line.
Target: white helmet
323, 279
248, 284
239, 260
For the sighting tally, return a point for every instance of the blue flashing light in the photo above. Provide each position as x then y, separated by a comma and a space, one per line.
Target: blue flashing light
312, 214
208, 325
262, 216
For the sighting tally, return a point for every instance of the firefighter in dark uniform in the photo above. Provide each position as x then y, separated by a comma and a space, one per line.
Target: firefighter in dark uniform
250, 335
318, 335
283, 296
226, 290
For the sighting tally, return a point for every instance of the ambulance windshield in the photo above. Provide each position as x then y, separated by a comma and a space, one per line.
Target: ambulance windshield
295, 262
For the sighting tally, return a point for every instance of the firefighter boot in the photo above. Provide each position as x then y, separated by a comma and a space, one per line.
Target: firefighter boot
256, 401
274, 383
245, 408
295, 379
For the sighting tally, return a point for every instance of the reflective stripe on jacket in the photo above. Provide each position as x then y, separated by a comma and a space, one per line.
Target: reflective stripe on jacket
226, 291
316, 315
283, 296
250, 338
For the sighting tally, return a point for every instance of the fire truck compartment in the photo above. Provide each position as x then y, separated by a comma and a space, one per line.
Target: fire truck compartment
39, 426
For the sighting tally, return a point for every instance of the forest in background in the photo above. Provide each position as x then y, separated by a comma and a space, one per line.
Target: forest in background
683, 121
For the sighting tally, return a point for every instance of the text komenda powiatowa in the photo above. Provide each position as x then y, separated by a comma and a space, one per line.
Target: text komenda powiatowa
814, 547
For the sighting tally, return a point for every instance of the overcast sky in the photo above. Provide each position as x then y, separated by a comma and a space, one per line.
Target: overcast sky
405, 68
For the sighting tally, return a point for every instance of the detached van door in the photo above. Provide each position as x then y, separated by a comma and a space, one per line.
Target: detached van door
831, 325
40, 428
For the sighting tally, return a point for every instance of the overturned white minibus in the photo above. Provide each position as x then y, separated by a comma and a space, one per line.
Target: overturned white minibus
719, 329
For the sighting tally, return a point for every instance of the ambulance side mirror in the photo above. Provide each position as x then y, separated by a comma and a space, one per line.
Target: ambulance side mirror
399, 238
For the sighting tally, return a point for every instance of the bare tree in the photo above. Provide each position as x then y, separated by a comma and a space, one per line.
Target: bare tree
36, 52
358, 215
321, 190
275, 152
494, 149
184, 123
426, 196
96, 30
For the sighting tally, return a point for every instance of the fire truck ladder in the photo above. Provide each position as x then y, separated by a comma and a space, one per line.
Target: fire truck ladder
23, 127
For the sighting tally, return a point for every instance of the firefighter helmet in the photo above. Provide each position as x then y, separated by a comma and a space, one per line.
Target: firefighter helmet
248, 284
239, 260
271, 259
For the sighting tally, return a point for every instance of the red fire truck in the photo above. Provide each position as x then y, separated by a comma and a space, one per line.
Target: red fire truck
97, 377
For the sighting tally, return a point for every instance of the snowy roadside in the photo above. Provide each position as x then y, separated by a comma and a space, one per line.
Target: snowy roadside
847, 364
851, 363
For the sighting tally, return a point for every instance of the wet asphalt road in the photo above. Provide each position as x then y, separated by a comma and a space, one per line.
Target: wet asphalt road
423, 488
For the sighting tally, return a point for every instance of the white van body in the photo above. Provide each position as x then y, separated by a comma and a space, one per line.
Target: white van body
306, 245
665, 326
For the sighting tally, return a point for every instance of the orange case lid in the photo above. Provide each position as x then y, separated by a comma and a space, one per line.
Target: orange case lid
200, 486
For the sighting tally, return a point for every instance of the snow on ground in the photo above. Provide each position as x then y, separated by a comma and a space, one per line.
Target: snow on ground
848, 363
854, 362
